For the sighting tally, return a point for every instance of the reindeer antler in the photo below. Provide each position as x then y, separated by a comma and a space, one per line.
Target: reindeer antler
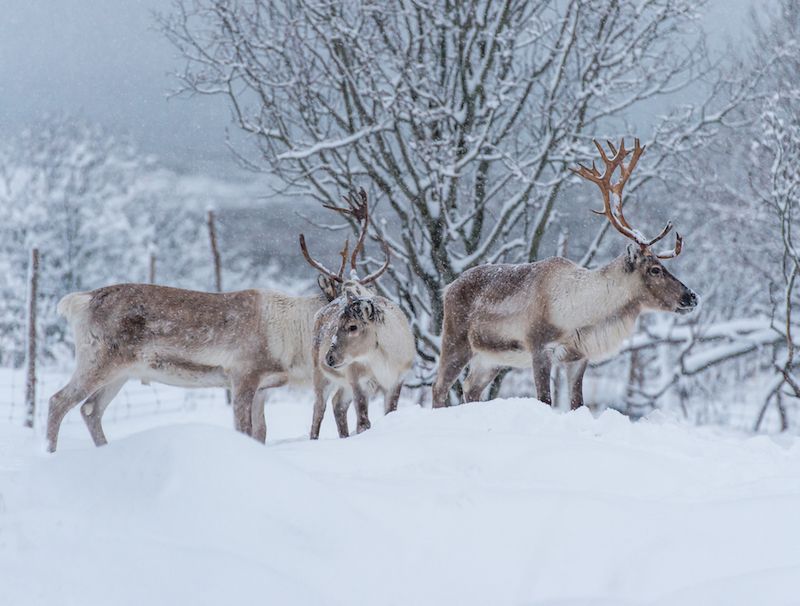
614, 214
343, 254
379, 272
319, 266
358, 208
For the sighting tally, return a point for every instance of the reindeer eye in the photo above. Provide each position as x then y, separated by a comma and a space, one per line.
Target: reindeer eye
352, 327
654, 271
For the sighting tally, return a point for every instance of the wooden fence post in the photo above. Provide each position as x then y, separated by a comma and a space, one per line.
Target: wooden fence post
30, 350
212, 236
151, 269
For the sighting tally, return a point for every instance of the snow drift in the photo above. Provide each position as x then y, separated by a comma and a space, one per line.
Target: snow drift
506, 502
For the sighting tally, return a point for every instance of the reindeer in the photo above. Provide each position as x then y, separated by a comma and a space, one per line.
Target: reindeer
362, 342
249, 341
508, 315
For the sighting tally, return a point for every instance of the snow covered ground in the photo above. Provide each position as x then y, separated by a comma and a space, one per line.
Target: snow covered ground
505, 502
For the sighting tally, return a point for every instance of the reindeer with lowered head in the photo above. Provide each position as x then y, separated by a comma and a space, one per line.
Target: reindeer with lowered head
362, 342
531, 314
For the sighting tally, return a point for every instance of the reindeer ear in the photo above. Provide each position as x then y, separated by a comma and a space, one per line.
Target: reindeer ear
367, 310
327, 286
632, 254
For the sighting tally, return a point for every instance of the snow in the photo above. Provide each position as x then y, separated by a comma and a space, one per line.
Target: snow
503, 502
301, 154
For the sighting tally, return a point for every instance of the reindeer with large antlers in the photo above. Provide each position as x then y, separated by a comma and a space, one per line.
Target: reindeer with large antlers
362, 342
531, 314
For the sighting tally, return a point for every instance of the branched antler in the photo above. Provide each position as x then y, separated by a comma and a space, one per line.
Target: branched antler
343, 254
319, 266
614, 213
379, 272
358, 208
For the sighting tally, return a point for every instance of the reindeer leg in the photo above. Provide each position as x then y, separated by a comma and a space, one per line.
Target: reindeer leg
321, 400
391, 397
93, 408
451, 362
259, 422
244, 396
575, 371
541, 375
78, 389
341, 402
362, 408
478, 377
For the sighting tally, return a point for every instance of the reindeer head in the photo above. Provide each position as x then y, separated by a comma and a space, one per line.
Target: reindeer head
352, 314
659, 289
354, 329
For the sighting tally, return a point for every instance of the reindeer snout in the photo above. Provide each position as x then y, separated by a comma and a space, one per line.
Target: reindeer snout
330, 359
688, 302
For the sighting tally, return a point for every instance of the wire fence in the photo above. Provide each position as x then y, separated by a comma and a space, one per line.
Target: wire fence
735, 409
734, 404
136, 400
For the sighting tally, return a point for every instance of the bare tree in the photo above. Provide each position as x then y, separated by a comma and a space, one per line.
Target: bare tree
775, 158
463, 117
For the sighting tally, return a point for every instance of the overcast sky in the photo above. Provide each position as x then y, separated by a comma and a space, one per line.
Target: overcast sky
105, 60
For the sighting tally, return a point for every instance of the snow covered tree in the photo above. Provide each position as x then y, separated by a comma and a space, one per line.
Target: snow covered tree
462, 118
82, 197
65, 185
169, 224
743, 195
13, 264
774, 156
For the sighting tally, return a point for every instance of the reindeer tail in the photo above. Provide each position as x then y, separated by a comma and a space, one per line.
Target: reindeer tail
74, 306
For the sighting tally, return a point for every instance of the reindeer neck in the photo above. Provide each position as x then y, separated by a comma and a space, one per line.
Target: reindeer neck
602, 311
615, 287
